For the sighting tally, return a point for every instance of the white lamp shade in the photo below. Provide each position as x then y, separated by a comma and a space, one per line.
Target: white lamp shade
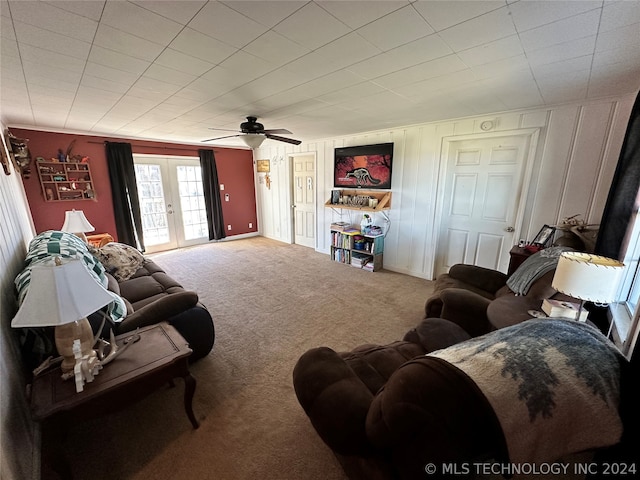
60, 294
588, 277
76, 222
253, 140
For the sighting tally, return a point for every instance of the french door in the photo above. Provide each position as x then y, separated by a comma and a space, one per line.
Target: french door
171, 202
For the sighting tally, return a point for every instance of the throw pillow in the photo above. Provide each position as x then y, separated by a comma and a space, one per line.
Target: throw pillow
119, 259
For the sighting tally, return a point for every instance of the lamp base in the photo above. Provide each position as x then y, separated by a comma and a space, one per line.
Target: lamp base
64, 337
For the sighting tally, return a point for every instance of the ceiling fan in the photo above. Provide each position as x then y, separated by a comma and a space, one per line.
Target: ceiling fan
253, 134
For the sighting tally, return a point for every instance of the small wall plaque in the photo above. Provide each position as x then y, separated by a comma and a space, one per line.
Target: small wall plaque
263, 165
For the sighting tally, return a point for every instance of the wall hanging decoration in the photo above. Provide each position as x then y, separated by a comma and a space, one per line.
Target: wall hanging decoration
263, 165
21, 154
366, 166
4, 156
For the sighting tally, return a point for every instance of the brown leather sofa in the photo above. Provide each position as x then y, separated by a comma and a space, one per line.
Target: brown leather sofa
479, 299
152, 296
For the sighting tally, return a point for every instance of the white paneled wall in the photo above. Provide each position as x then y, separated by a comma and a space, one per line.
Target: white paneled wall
575, 157
20, 447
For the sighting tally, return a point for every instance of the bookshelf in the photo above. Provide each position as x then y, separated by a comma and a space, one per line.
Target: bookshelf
350, 247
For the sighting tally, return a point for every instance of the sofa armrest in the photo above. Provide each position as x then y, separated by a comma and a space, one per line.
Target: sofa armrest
431, 412
335, 400
479, 277
160, 310
466, 309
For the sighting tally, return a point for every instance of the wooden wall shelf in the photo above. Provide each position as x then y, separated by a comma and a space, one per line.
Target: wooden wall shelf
65, 181
383, 197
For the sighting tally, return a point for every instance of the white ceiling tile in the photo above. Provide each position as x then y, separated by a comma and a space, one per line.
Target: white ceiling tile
129, 17
355, 16
181, 11
441, 15
629, 56
221, 22
6, 28
275, 48
127, 44
183, 62
423, 71
531, 14
344, 51
327, 83
238, 69
354, 92
382, 33
502, 68
169, 75
480, 30
564, 51
619, 14
490, 52
104, 84
109, 73
49, 17
92, 10
622, 37
565, 66
204, 47
54, 42
43, 57
118, 61
154, 86
311, 66
9, 48
562, 31
266, 13
302, 27
93, 96
34, 70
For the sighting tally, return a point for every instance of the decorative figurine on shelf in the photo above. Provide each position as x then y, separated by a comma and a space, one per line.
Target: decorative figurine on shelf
61, 156
365, 224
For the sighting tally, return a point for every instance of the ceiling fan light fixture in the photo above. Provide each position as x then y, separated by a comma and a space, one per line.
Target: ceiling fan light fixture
253, 140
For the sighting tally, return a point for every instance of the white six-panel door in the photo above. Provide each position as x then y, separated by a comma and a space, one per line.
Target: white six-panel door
482, 190
304, 194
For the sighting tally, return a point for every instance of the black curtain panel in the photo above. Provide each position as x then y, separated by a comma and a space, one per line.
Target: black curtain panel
126, 206
621, 201
212, 200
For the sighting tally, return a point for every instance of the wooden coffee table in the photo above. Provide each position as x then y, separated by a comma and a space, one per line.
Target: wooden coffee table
158, 357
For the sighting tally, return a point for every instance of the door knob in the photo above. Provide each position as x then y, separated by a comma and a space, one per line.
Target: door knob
509, 229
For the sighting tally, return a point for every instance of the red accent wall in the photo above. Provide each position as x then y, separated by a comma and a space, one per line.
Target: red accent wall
235, 171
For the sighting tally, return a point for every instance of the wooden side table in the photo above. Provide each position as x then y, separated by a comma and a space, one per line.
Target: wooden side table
517, 256
159, 356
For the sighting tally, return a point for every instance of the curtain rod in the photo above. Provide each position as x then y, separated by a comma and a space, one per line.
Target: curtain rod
152, 146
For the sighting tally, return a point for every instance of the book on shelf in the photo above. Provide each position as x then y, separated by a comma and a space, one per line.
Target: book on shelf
339, 226
563, 309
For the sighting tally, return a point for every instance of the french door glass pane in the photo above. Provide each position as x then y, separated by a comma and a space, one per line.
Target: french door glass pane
152, 204
194, 215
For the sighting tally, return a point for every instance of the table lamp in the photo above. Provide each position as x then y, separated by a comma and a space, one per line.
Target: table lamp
75, 222
62, 295
588, 277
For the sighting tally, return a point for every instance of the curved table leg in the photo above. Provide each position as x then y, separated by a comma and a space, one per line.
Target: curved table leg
189, 390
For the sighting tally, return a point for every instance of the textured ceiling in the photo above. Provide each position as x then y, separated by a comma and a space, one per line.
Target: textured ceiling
170, 70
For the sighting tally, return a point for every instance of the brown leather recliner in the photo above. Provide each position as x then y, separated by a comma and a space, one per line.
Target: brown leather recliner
479, 300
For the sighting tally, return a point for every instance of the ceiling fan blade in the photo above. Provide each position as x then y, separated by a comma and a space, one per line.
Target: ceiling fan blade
279, 131
283, 139
223, 129
219, 138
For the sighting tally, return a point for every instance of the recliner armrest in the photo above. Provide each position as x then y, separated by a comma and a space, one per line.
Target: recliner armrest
335, 400
466, 309
479, 277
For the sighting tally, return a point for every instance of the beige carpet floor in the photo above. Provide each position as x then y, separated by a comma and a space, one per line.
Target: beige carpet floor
270, 302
